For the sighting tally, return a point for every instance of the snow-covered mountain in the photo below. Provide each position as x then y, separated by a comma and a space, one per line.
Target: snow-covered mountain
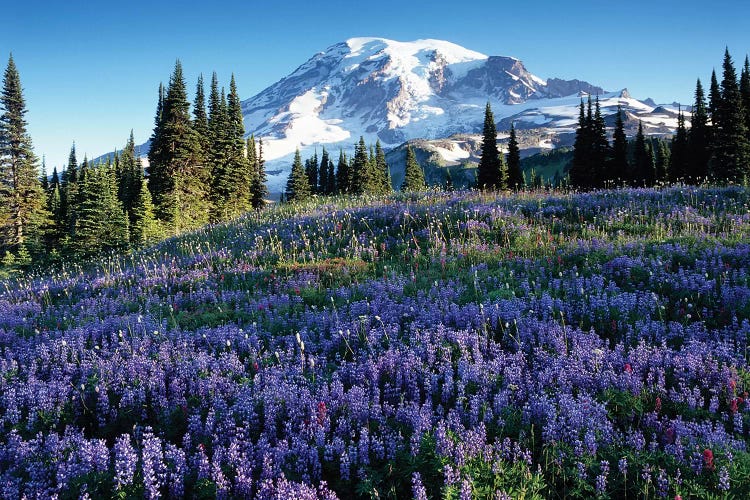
396, 91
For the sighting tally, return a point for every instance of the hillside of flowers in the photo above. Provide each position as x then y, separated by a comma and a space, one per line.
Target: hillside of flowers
454, 345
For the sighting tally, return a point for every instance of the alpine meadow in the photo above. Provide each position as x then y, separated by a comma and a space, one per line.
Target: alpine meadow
405, 270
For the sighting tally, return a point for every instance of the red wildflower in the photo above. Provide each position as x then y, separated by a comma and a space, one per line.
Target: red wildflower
321, 412
628, 368
708, 458
657, 404
733, 404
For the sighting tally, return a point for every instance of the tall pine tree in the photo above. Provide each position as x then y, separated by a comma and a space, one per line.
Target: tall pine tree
359, 169
745, 91
413, 173
731, 146
343, 175
259, 190
643, 161
580, 171
619, 168
699, 149
600, 151
298, 184
515, 174
680, 168
23, 204
489, 171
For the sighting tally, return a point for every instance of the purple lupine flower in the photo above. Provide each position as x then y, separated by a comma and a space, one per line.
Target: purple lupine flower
417, 488
126, 460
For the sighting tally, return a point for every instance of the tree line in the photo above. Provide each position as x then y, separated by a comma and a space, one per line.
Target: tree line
201, 169
716, 146
367, 172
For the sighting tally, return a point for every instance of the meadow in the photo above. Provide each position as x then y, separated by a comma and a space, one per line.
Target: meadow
441, 345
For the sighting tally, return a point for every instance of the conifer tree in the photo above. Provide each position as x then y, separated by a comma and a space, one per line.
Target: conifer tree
359, 169
619, 167
413, 173
144, 228
200, 118
643, 162
44, 180
238, 168
131, 177
580, 174
311, 170
331, 177
680, 167
515, 174
714, 98
177, 179
323, 173
489, 175
298, 184
600, 151
662, 159
699, 149
259, 191
745, 91
382, 171
24, 214
730, 144
343, 176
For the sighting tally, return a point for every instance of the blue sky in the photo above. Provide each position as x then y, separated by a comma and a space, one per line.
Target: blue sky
90, 70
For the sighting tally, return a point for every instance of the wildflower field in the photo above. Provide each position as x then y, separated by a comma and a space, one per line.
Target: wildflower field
455, 345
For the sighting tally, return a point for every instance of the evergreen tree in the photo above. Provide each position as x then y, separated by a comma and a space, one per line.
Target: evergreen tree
44, 179
515, 174
731, 146
489, 175
23, 214
200, 118
323, 172
382, 171
358, 180
343, 177
331, 177
643, 161
413, 173
699, 148
680, 167
177, 179
311, 169
131, 177
144, 228
259, 191
298, 184
745, 91
239, 170
101, 223
600, 151
580, 174
619, 167
714, 98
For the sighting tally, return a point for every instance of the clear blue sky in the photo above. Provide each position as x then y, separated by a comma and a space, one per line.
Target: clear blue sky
90, 70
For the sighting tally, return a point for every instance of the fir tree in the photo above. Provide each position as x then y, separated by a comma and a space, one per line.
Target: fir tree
323, 173
580, 174
131, 177
663, 159
343, 176
298, 184
489, 175
714, 98
144, 229
600, 151
44, 179
619, 167
359, 174
177, 179
730, 144
413, 173
200, 118
699, 150
331, 178
643, 161
515, 174
745, 91
382, 171
680, 167
22, 201
311, 169
259, 191
239, 171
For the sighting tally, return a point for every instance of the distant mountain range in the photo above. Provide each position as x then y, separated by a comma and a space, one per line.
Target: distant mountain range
426, 89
